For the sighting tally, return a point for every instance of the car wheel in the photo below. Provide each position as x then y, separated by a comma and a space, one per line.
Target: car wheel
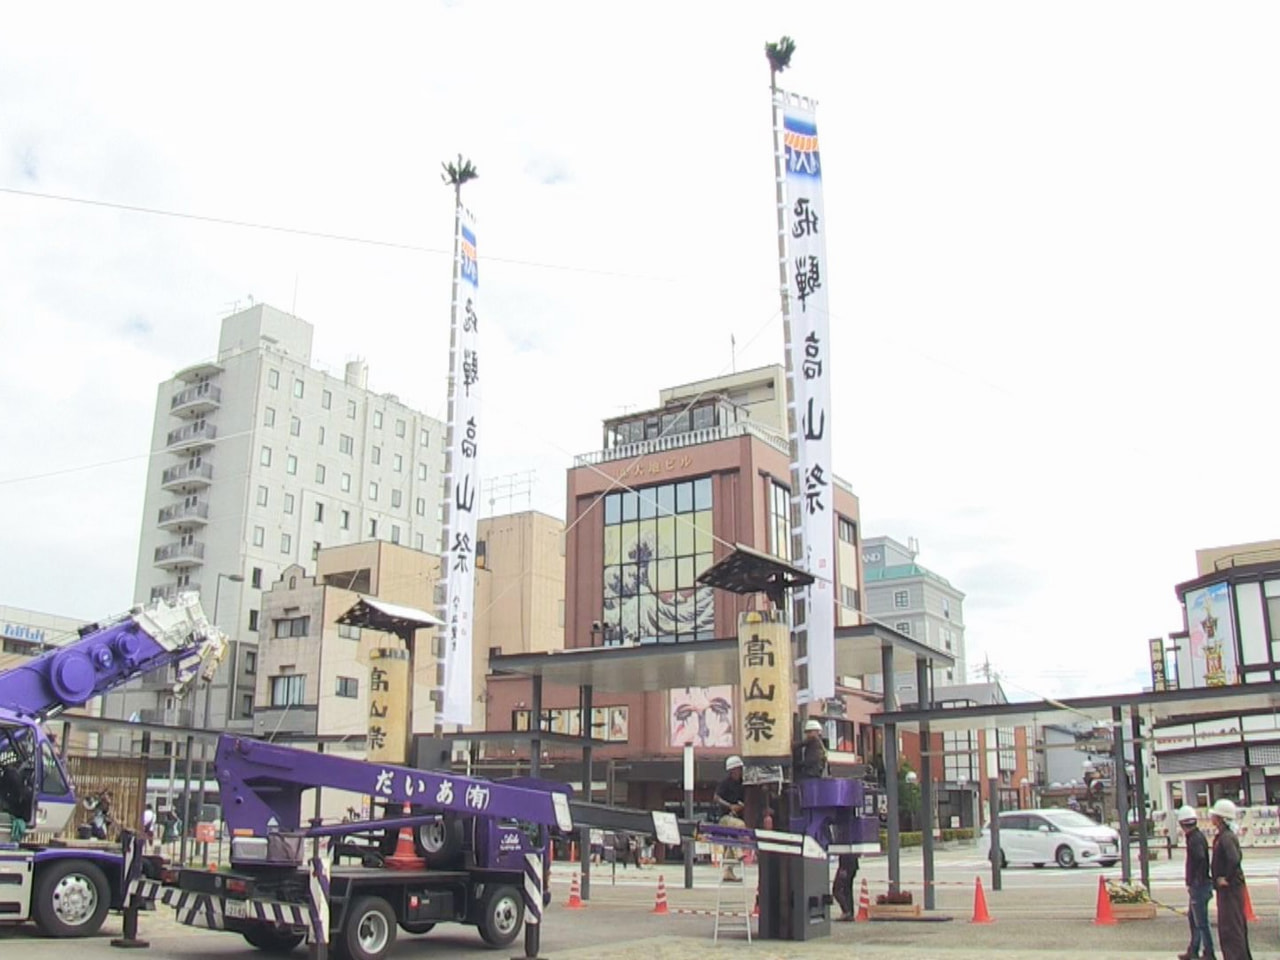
272, 939
72, 899
1065, 857
440, 842
1108, 863
370, 930
501, 916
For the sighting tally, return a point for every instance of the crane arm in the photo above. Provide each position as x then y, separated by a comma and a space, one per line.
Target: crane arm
262, 785
110, 653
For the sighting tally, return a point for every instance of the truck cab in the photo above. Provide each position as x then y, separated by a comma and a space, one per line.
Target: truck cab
34, 786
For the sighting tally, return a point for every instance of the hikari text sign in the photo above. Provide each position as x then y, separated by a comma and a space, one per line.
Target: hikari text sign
810, 353
388, 705
764, 672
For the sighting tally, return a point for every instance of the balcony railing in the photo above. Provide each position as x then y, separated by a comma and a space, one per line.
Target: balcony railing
170, 591
178, 717
691, 438
177, 554
200, 398
180, 514
676, 441
185, 475
192, 435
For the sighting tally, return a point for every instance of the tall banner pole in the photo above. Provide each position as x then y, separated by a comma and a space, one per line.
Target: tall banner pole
461, 480
802, 275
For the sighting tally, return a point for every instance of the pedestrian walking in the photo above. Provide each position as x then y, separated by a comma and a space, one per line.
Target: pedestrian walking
1199, 888
1228, 881
842, 885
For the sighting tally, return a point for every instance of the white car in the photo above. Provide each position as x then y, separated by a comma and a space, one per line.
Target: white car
1064, 837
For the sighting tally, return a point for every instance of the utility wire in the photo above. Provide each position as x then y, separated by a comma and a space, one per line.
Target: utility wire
321, 234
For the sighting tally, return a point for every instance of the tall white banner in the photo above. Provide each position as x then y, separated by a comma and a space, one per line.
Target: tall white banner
460, 534
811, 390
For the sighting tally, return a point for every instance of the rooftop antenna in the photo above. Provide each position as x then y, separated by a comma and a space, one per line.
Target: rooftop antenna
733, 354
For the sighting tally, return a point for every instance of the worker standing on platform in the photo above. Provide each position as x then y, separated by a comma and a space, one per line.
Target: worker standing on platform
731, 801
812, 764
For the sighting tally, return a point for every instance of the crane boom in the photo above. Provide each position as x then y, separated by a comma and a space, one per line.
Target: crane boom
262, 785
110, 653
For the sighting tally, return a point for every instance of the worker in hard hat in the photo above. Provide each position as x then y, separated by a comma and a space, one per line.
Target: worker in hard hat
731, 801
1225, 867
1199, 887
812, 762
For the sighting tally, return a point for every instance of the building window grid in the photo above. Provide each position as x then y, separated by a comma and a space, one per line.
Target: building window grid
658, 540
289, 690
348, 687
780, 520
958, 748
901, 599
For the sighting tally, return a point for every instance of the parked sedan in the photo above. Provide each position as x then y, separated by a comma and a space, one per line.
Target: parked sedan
1064, 837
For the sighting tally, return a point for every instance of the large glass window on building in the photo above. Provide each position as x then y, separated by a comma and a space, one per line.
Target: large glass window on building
780, 521
657, 541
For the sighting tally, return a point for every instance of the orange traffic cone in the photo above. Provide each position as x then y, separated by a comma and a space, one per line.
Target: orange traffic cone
864, 904
980, 914
660, 902
1249, 915
1103, 915
405, 857
575, 896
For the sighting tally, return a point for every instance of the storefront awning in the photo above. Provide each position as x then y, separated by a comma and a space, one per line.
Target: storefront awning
1201, 703
704, 663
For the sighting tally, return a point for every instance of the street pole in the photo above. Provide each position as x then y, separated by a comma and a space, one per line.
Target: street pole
689, 845
208, 699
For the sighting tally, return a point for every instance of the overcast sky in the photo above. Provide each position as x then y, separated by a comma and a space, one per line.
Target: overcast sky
1051, 234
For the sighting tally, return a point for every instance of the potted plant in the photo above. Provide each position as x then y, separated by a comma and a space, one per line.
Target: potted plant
1130, 901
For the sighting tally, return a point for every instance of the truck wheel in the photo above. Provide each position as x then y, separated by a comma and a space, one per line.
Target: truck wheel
440, 842
72, 898
370, 930
272, 939
417, 927
501, 916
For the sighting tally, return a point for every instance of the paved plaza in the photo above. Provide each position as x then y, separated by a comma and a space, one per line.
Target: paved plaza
1038, 913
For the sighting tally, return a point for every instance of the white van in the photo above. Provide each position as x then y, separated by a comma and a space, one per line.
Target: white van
1064, 837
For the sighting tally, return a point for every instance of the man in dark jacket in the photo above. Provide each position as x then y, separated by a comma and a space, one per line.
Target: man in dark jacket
1199, 887
812, 761
1228, 881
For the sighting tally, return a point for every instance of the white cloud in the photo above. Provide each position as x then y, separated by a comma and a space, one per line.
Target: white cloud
1049, 230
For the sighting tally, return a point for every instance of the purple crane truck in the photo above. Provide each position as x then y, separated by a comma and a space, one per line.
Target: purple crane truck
68, 890
478, 857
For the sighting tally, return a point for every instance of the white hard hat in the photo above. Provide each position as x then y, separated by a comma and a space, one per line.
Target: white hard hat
1224, 808
733, 763
812, 725
1186, 815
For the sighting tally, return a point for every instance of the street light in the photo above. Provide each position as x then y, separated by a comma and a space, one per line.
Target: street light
208, 697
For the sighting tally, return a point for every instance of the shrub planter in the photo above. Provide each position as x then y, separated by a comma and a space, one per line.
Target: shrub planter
894, 911
1134, 911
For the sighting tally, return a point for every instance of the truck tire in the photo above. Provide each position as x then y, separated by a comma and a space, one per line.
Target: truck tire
72, 898
370, 930
417, 927
440, 843
272, 939
501, 915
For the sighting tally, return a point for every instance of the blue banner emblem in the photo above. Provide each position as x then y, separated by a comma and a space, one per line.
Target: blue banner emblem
470, 268
800, 138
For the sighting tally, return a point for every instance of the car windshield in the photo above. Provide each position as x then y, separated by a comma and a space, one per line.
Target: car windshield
1068, 818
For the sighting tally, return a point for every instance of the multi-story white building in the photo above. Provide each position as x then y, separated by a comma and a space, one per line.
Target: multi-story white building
259, 460
914, 601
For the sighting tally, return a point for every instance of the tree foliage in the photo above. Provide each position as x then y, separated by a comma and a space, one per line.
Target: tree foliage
456, 174
779, 54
